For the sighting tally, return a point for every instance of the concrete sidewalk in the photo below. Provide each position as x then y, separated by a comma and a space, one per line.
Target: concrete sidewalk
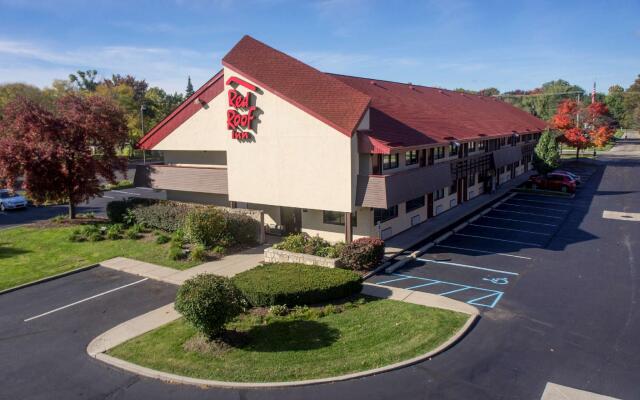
414, 235
227, 266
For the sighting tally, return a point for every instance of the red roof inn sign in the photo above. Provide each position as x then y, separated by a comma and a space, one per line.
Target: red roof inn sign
240, 116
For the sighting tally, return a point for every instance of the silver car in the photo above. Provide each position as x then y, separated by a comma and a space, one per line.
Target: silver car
11, 201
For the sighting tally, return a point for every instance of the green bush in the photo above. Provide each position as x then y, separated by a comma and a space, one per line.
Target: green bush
133, 232
296, 284
198, 253
362, 254
178, 237
208, 302
242, 229
206, 226
165, 215
114, 232
279, 310
303, 243
220, 250
92, 233
161, 238
76, 235
175, 252
117, 209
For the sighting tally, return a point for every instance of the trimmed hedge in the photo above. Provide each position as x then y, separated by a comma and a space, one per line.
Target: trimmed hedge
362, 254
164, 215
296, 284
303, 243
117, 209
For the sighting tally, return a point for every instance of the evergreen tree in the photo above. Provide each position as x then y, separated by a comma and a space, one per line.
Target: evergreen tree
189, 90
546, 157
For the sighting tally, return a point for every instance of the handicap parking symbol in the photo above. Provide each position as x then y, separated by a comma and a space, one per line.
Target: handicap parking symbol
497, 281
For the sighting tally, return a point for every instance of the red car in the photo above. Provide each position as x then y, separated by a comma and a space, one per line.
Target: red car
553, 181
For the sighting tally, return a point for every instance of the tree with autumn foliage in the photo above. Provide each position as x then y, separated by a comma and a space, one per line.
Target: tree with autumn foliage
62, 152
583, 126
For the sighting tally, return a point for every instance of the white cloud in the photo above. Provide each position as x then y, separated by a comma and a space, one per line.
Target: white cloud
165, 67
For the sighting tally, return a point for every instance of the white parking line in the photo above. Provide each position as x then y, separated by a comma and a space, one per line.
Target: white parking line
83, 300
108, 197
510, 229
541, 208
543, 202
519, 220
482, 251
144, 188
123, 192
499, 240
468, 266
526, 213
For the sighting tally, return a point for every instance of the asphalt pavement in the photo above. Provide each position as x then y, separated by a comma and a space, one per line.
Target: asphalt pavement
570, 316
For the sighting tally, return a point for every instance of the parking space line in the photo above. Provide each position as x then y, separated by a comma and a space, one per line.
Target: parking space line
108, 197
120, 191
519, 220
392, 280
499, 240
526, 213
83, 300
510, 229
453, 291
423, 285
538, 207
482, 251
543, 202
474, 301
467, 266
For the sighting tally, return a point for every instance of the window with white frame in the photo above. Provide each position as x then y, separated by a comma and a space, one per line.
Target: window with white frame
411, 157
390, 161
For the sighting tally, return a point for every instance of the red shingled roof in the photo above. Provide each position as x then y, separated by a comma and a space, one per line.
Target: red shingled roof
405, 115
321, 95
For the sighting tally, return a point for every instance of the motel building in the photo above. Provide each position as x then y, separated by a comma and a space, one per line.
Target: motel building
333, 155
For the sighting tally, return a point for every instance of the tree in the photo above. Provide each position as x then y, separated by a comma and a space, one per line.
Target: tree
583, 126
189, 90
615, 102
139, 87
61, 154
85, 80
631, 104
546, 157
543, 102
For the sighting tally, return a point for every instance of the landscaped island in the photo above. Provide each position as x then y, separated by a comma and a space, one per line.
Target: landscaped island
277, 342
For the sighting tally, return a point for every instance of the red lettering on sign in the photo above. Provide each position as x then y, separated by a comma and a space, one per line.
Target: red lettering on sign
235, 119
237, 100
239, 124
240, 135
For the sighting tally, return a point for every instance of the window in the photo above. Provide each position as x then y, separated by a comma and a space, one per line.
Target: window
337, 218
501, 170
517, 164
453, 150
438, 194
382, 215
472, 179
472, 147
509, 167
503, 141
390, 161
482, 144
411, 157
414, 204
481, 177
453, 188
439, 153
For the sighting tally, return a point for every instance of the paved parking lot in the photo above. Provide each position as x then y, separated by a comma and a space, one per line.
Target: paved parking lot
481, 262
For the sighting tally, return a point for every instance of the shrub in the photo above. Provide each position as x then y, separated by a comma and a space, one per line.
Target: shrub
76, 235
117, 209
242, 229
296, 284
220, 250
206, 226
114, 232
178, 237
208, 302
175, 252
165, 215
92, 233
133, 232
303, 243
198, 253
362, 254
279, 310
161, 238
58, 219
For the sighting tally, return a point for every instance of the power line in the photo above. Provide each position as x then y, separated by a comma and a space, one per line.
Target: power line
538, 94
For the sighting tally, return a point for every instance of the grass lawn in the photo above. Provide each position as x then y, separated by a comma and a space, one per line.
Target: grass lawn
29, 253
365, 336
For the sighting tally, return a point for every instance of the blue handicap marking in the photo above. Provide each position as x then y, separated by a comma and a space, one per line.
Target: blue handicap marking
497, 281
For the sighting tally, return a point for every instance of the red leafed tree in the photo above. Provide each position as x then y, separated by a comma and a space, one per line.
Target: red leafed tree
61, 153
583, 126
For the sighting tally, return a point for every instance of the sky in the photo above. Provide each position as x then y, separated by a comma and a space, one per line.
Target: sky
443, 43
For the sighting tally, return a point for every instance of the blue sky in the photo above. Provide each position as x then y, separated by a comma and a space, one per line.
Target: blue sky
445, 43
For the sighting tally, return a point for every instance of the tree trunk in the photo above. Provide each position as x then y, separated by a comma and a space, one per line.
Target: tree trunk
72, 210
577, 153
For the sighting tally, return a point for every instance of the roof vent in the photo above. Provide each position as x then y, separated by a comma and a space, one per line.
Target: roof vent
373, 83
440, 91
411, 86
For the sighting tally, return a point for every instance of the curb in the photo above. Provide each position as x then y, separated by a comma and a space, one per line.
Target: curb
173, 378
48, 278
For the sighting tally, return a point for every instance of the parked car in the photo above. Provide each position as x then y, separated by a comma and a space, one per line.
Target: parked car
553, 181
11, 201
569, 174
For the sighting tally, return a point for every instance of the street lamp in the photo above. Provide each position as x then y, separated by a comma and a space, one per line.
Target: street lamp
142, 108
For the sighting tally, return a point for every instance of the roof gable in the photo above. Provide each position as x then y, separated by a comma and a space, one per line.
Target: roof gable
321, 95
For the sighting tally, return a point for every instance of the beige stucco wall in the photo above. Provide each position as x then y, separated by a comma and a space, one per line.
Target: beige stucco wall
295, 161
201, 198
313, 225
